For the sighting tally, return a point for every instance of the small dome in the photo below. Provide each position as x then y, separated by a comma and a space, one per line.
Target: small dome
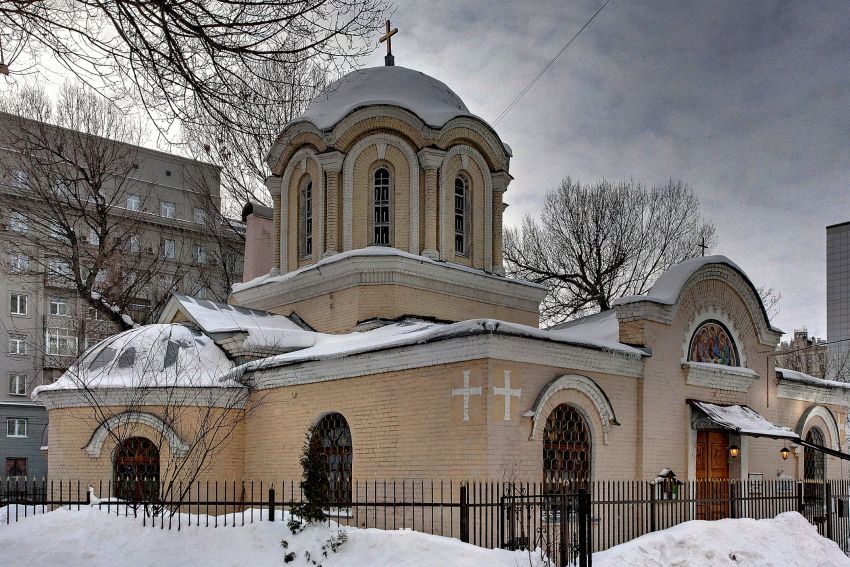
148, 356
430, 99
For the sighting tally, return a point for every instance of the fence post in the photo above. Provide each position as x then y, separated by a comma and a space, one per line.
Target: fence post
271, 503
562, 536
800, 497
827, 493
732, 493
464, 513
584, 545
652, 504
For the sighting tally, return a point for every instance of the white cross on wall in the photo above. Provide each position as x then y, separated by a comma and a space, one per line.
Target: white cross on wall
466, 391
508, 393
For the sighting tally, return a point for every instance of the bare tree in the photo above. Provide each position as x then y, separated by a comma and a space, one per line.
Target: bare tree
76, 212
184, 60
595, 243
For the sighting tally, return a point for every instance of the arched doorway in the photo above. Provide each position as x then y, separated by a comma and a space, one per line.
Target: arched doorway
333, 438
814, 469
135, 470
567, 450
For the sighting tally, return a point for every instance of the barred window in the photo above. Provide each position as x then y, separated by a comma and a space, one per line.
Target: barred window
461, 215
567, 450
333, 440
382, 207
135, 470
307, 220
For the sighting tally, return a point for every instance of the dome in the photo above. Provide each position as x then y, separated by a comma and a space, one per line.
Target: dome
430, 99
147, 356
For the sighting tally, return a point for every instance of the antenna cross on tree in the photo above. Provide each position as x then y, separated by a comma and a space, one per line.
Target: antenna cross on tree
389, 60
703, 245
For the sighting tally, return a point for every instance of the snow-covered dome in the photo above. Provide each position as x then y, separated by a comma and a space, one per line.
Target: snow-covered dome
147, 356
430, 99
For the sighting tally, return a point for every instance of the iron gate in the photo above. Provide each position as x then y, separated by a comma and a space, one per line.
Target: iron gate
557, 523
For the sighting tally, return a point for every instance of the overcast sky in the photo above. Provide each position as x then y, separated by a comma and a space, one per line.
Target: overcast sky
748, 102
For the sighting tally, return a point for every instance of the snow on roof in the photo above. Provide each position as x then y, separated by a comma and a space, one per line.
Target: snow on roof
366, 252
429, 99
796, 376
744, 420
214, 317
161, 355
667, 288
414, 331
598, 330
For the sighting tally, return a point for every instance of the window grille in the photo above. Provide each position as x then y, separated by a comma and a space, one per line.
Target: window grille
567, 450
814, 466
382, 207
307, 220
135, 470
461, 221
333, 437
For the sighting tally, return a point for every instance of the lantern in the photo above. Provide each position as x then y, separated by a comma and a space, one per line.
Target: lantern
784, 453
734, 451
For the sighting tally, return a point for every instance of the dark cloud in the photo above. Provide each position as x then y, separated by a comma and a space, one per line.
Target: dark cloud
749, 102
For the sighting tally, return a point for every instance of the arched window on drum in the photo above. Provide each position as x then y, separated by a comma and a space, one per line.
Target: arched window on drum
381, 207
135, 470
713, 343
567, 450
461, 215
305, 218
332, 440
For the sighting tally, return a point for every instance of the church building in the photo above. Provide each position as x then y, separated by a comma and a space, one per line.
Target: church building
386, 324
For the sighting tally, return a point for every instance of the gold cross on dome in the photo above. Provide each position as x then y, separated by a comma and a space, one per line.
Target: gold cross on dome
389, 60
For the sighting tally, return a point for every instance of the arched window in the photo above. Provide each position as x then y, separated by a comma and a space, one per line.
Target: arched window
567, 450
306, 219
381, 221
711, 342
333, 438
814, 468
135, 470
461, 216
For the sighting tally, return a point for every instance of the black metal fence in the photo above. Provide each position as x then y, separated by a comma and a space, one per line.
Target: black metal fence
488, 514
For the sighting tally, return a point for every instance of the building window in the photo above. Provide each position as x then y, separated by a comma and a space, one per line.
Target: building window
712, 343
16, 427
17, 384
134, 203
62, 188
168, 248
199, 254
135, 243
18, 304
16, 468
19, 263
100, 277
59, 342
20, 178
461, 215
306, 224
18, 222
17, 344
59, 307
814, 468
55, 231
567, 450
199, 215
94, 237
135, 470
332, 439
381, 207
59, 268
166, 209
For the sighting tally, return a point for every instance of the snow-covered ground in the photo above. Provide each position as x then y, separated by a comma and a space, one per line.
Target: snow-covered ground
93, 537
787, 541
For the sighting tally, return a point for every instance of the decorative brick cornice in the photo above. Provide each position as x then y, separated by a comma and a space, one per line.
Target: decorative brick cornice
718, 377
179, 449
811, 392
216, 397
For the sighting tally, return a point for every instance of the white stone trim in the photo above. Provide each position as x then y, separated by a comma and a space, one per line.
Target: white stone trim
229, 397
794, 390
448, 351
578, 383
94, 447
446, 234
827, 417
719, 377
348, 187
496, 145
296, 161
717, 313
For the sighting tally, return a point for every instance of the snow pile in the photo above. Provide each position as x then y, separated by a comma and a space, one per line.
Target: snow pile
429, 99
804, 378
787, 540
93, 537
151, 356
600, 330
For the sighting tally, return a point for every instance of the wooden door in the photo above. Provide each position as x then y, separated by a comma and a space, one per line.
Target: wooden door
712, 475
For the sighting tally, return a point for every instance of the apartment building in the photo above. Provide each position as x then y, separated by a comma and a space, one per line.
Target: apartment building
838, 295
163, 224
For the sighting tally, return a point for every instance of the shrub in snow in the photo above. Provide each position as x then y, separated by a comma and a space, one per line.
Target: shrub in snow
315, 485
